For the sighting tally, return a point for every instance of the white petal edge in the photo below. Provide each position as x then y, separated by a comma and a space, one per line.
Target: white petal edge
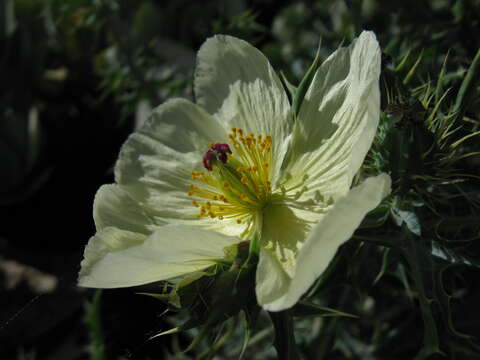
114, 258
235, 82
324, 239
338, 118
113, 207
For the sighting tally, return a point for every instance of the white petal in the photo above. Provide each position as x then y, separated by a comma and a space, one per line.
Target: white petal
272, 282
116, 258
336, 227
235, 81
338, 118
113, 207
283, 232
155, 163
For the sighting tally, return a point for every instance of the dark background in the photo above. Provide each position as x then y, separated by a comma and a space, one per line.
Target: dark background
75, 76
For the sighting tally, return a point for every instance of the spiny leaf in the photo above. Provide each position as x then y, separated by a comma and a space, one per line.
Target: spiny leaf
409, 75
463, 139
247, 336
385, 262
403, 62
292, 89
468, 87
440, 79
306, 308
305, 83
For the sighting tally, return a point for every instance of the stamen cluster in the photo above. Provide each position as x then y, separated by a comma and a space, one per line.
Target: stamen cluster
237, 183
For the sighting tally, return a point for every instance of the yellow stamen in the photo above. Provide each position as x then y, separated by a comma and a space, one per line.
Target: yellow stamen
239, 187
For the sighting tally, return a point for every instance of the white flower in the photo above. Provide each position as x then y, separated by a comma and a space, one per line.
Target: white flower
238, 165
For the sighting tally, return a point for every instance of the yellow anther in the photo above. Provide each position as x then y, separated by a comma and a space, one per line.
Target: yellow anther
223, 197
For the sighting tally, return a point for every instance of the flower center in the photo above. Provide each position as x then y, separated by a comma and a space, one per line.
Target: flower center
236, 184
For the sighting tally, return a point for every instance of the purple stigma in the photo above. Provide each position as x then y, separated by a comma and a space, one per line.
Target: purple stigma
218, 152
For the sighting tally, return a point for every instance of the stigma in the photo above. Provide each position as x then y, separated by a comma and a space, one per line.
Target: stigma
236, 184
216, 152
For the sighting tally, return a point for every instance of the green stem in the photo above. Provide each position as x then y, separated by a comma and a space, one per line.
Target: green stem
93, 321
284, 335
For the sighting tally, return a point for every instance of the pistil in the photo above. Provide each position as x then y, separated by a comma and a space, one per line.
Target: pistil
237, 183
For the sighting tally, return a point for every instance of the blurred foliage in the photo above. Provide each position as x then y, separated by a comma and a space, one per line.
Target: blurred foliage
410, 273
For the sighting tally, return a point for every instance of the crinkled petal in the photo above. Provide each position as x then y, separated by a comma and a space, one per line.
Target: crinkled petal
113, 207
235, 81
338, 119
336, 227
117, 258
155, 163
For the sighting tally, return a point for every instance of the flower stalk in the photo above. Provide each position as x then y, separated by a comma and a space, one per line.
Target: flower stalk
284, 335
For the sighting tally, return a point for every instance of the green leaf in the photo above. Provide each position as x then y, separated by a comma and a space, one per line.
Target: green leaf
408, 218
451, 256
248, 332
291, 89
189, 324
468, 88
444, 300
417, 260
305, 83
403, 62
441, 80
306, 308
409, 75
385, 262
